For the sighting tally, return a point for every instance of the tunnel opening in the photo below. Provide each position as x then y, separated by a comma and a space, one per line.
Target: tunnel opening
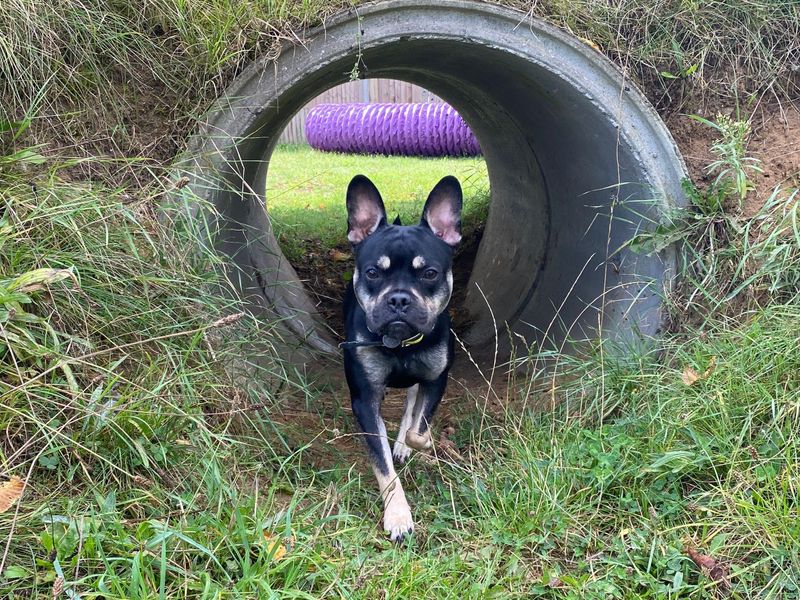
410, 147
579, 163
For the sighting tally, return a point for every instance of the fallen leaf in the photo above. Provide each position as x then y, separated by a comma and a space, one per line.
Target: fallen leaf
38, 279
275, 546
555, 583
10, 492
339, 256
226, 320
142, 481
690, 376
709, 566
446, 445
591, 43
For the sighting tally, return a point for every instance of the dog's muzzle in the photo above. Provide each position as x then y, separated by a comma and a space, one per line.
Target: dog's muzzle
399, 330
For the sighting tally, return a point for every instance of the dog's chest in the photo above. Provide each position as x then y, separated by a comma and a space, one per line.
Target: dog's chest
404, 370
424, 365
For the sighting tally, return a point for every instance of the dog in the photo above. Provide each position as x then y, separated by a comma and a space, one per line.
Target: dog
397, 326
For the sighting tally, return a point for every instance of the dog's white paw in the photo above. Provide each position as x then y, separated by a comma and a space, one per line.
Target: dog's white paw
419, 441
397, 520
401, 452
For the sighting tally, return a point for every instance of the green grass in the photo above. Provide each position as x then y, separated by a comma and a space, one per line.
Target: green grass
153, 472
83, 70
306, 192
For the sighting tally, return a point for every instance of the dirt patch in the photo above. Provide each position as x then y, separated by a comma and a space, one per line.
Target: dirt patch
326, 432
463, 261
325, 273
774, 141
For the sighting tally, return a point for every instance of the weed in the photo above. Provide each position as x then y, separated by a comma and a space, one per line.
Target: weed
729, 263
733, 167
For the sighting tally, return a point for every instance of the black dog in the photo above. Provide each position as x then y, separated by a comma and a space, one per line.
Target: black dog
398, 331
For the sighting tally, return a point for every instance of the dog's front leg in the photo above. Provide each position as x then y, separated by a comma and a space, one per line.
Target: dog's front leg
401, 451
397, 519
428, 397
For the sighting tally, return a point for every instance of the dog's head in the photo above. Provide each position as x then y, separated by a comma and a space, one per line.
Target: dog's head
403, 275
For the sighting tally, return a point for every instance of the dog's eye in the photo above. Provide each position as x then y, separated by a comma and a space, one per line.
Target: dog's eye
372, 273
430, 274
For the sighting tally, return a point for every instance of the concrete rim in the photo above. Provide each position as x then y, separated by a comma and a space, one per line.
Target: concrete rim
579, 162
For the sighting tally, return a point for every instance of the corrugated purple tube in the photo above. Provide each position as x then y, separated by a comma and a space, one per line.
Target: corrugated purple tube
429, 129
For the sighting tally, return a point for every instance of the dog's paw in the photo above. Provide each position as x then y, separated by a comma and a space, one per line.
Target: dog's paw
401, 452
419, 441
397, 521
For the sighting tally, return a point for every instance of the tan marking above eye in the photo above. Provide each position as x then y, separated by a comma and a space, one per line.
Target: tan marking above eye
418, 262
384, 262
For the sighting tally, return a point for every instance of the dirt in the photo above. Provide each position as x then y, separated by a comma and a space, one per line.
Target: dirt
325, 273
326, 432
774, 141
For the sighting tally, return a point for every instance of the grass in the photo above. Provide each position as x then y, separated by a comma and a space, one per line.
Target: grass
153, 471
81, 70
110, 359
83, 60
306, 192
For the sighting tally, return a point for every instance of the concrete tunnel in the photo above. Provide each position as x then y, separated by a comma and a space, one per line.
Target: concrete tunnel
579, 163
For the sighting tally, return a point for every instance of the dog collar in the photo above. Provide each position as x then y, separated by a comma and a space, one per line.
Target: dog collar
386, 342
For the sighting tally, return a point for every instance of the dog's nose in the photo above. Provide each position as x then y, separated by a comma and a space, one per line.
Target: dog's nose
399, 301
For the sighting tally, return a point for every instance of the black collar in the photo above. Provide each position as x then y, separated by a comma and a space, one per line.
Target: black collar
386, 342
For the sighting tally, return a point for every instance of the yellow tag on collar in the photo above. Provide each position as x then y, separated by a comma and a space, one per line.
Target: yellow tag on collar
412, 340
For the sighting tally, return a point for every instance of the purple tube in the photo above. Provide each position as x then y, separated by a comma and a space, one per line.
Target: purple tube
429, 129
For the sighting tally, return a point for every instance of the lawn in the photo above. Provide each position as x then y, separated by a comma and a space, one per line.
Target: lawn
306, 191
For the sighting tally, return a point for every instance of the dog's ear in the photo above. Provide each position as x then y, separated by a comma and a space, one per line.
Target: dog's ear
397, 221
365, 211
442, 212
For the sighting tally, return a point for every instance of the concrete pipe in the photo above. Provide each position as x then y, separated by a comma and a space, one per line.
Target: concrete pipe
578, 161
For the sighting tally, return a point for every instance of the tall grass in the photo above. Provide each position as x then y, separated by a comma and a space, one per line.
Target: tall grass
87, 67
151, 472
726, 49
126, 79
115, 364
